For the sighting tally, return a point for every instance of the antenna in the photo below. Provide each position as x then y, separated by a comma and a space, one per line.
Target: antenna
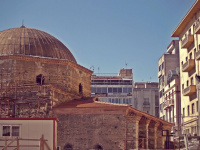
98, 69
126, 64
23, 22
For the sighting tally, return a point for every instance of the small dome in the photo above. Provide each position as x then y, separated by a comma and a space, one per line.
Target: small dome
28, 41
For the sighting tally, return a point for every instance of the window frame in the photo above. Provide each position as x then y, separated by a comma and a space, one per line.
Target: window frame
11, 130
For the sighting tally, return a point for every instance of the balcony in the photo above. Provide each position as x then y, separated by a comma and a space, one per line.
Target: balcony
189, 65
198, 55
197, 28
187, 41
171, 47
189, 90
159, 74
168, 103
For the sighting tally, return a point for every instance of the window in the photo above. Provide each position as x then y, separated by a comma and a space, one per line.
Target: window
93, 90
80, 89
186, 58
188, 110
182, 86
192, 81
104, 90
10, 130
183, 112
98, 90
195, 53
129, 90
190, 55
68, 147
182, 63
110, 90
193, 108
114, 90
40, 79
197, 106
119, 90
125, 90
189, 31
187, 83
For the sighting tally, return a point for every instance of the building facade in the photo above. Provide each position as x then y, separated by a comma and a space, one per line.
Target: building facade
172, 102
189, 44
167, 62
146, 97
113, 88
28, 133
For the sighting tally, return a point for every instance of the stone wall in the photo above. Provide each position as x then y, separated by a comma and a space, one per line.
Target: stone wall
88, 130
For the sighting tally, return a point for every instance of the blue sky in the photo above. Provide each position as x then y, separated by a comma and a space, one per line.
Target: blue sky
105, 34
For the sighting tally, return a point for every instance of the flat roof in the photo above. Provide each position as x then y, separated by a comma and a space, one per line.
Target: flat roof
193, 10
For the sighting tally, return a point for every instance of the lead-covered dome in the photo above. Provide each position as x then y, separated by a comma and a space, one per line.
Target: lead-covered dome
28, 41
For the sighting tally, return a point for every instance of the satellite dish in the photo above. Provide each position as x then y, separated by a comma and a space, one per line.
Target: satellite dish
178, 70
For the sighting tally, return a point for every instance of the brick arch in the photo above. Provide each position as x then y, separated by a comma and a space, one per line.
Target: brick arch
68, 147
98, 147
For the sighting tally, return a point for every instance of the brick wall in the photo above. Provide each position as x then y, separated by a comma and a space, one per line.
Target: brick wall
85, 131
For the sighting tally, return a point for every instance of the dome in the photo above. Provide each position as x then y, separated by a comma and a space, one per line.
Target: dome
33, 42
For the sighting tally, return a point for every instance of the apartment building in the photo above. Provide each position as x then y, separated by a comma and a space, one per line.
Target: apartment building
188, 32
172, 102
145, 97
113, 88
167, 62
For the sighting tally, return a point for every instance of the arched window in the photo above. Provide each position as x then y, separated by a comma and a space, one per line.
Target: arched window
80, 89
68, 147
40, 79
98, 147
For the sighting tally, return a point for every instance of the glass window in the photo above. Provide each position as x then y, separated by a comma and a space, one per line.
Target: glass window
188, 110
98, 90
15, 130
93, 90
129, 90
116, 100
110, 90
130, 100
119, 90
109, 100
104, 90
124, 101
6, 130
113, 100
114, 90
197, 106
193, 108
125, 90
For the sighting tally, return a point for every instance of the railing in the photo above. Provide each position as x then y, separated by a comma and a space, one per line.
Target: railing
198, 55
168, 103
187, 41
189, 90
188, 65
197, 27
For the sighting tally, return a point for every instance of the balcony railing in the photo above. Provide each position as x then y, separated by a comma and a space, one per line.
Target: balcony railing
189, 65
171, 47
197, 28
187, 41
168, 103
198, 55
189, 90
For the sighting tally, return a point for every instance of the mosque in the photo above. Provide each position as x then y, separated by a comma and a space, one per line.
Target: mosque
40, 78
